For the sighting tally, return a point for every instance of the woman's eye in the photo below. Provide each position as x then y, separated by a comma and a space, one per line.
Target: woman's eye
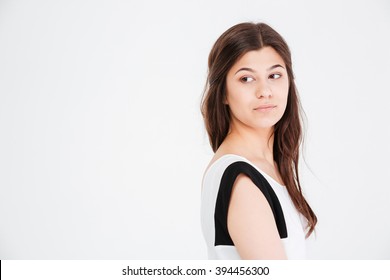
275, 76
247, 79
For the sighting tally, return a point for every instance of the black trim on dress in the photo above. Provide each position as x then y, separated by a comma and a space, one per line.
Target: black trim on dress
222, 236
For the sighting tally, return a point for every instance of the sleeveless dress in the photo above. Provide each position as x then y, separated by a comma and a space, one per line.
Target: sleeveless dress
216, 190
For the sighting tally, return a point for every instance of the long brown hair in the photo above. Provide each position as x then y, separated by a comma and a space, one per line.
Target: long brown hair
229, 47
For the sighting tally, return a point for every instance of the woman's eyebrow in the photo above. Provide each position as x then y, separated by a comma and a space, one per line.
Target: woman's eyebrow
253, 71
274, 66
245, 69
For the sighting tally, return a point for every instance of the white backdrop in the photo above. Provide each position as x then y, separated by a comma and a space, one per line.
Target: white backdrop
102, 145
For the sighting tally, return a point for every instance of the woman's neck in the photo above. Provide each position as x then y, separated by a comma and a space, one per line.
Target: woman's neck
252, 143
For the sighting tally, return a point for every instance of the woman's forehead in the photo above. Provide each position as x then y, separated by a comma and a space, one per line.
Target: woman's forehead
261, 59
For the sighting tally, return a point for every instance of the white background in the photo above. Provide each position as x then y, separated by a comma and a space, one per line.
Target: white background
102, 145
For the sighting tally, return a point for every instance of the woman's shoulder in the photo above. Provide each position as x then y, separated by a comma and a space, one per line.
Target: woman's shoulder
219, 163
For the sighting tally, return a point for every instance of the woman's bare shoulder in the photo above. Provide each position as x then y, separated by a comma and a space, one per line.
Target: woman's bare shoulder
222, 152
251, 222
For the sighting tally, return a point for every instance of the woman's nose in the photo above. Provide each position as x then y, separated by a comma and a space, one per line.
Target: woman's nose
263, 92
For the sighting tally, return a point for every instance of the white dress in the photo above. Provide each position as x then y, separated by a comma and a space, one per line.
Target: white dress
216, 190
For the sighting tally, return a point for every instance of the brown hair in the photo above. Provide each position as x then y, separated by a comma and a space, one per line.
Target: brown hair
229, 47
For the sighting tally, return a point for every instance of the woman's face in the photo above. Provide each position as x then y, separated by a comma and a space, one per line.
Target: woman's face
257, 89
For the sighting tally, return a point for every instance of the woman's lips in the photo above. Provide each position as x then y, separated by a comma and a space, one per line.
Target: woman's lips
266, 107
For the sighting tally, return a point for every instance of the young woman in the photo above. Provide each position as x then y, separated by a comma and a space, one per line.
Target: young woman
252, 203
